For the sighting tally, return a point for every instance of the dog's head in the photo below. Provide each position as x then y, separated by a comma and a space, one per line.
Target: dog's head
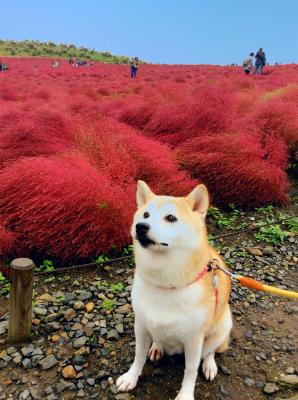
162, 223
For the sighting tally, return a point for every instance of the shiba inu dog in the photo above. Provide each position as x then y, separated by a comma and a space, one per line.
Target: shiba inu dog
180, 304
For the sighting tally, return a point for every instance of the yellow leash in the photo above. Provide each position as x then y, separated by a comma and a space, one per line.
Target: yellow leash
253, 284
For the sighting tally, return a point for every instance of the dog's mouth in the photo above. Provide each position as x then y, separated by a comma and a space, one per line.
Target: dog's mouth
145, 241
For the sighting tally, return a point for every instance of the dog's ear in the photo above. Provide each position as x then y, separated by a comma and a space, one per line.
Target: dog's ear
199, 200
144, 193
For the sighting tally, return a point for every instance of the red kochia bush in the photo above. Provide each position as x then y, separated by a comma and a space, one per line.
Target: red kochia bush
237, 170
120, 152
63, 207
6, 239
32, 133
277, 117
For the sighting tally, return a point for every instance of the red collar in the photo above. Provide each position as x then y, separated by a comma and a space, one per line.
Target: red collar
200, 275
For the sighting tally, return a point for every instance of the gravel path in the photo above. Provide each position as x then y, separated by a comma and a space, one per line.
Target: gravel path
83, 336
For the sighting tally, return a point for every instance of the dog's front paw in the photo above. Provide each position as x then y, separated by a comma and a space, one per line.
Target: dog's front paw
126, 382
185, 396
209, 367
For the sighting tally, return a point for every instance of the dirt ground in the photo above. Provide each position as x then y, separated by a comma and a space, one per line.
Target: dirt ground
263, 344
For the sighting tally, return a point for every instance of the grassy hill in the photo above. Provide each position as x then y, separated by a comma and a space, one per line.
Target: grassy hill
50, 49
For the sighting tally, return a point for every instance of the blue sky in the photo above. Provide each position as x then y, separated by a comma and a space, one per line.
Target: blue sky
161, 31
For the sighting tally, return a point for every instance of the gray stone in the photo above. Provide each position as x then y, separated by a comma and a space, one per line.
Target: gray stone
35, 360
80, 342
83, 295
113, 334
34, 394
40, 311
291, 379
17, 360
81, 393
123, 396
11, 350
79, 360
37, 352
3, 327
290, 370
27, 364
69, 314
63, 385
270, 388
268, 251
119, 328
48, 390
52, 327
24, 395
26, 351
48, 362
52, 396
249, 382
51, 317
91, 381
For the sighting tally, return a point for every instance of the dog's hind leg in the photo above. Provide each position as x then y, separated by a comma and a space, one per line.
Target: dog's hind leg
217, 341
156, 352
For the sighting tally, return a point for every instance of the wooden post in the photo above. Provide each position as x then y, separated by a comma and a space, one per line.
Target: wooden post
20, 300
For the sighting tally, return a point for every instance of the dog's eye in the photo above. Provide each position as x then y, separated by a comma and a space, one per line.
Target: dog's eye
171, 218
146, 215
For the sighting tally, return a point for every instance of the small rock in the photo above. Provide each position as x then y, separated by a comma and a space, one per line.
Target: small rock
289, 379
84, 295
255, 251
123, 396
40, 311
89, 307
249, 382
79, 360
51, 317
223, 390
45, 298
119, 328
69, 314
3, 327
270, 388
125, 309
81, 393
80, 342
78, 305
268, 251
69, 372
290, 370
24, 395
88, 330
48, 362
27, 364
225, 370
34, 394
91, 381
113, 334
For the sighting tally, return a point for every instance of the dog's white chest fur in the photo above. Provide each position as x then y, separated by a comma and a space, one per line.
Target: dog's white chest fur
168, 314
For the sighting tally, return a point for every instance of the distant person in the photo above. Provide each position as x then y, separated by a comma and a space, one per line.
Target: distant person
134, 63
260, 62
0, 66
248, 63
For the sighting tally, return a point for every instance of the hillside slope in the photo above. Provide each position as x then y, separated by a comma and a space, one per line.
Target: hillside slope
50, 49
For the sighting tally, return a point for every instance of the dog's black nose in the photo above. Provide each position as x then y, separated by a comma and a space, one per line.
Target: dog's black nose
142, 228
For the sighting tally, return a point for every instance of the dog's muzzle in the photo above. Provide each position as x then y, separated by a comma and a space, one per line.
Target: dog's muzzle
142, 229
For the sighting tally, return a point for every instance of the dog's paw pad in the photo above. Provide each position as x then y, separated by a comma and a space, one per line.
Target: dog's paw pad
155, 353
209, 368
126, 382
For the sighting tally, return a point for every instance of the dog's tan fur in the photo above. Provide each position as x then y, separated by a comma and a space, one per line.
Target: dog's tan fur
173, 310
